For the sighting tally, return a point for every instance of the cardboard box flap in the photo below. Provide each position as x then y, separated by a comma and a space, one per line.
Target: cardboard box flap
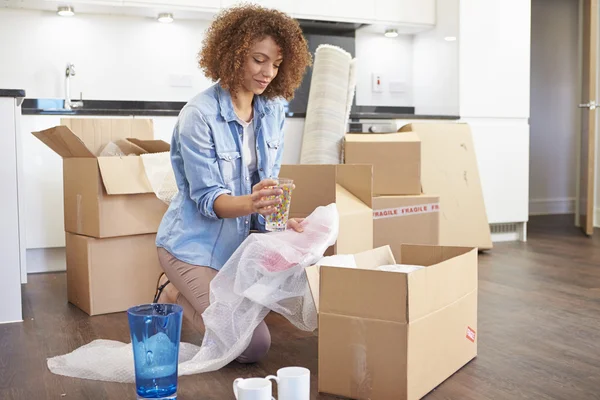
372, 259
451, 274
427, 255
64, 142
128, 147
449, 169
96, 133
151, 146
363, 293
312, 276
369, 259
358, 180
315, 186
124, 175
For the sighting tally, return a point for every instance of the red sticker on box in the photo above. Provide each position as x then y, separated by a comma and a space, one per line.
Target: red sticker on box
470, 334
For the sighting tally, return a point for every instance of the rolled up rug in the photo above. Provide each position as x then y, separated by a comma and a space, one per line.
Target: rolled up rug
331, 93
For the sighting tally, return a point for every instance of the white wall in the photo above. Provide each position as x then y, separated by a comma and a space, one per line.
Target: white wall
116, 57
390, 57
134, 58
554, 99
435, 64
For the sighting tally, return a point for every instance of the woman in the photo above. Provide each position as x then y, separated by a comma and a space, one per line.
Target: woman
227, 143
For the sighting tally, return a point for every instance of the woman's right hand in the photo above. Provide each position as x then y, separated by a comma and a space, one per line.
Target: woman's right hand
260, 197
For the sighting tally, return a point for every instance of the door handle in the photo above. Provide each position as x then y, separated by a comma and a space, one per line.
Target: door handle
592, 105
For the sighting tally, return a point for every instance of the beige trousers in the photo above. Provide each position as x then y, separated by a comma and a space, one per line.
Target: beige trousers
189, 287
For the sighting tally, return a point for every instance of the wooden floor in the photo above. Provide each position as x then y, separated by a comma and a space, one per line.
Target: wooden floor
539, 331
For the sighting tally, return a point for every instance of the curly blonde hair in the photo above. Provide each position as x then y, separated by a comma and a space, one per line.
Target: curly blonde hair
233, 32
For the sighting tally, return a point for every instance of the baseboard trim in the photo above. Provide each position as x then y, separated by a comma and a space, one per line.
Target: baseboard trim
597, 217
46, 260
552, 206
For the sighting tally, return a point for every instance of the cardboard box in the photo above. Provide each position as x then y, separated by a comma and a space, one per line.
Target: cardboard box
396, 160
349, 186
450, 170
112, 274
401, 220
393, 335
106, 196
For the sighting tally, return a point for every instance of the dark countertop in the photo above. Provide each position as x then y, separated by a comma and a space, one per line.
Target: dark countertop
172, 108
12, 93
102, 107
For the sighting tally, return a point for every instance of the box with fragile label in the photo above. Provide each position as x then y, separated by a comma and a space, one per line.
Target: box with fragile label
395, 329
106, 196
401, 220
396, 160
350, 187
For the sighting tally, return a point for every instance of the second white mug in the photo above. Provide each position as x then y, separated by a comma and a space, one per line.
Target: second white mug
293, 383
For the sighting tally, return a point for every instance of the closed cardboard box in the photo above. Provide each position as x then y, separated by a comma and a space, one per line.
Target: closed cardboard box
401, 220
396, 160
112, 274
450, 170
394, 335
106, 196
350, 187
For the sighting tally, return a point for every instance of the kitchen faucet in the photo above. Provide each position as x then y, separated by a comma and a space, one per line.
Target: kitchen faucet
69, 72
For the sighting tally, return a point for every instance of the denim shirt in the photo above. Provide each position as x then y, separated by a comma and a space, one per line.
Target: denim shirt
208, 161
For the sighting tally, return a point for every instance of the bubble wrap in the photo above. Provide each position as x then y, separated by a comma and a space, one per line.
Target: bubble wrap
159, 172
265, 273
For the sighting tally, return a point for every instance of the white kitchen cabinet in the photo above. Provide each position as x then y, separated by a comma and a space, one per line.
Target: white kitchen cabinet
43, 182
195, 5
332, 10
502, 149
281, 5
405, 11
494, 54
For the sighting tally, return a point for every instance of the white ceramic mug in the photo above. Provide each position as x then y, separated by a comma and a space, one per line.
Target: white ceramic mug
252, 389
293, 383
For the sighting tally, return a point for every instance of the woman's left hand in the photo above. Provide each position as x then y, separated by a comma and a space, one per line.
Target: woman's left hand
295, 224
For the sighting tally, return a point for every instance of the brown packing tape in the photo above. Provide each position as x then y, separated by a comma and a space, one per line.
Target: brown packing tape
361, 381
407, 210
79, 213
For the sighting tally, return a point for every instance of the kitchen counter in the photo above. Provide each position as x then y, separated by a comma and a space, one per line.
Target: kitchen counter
12, 93
172, 108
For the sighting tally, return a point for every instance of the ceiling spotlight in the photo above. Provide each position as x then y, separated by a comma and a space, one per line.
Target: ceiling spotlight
65, 11
391, 33
450, 38
165, 18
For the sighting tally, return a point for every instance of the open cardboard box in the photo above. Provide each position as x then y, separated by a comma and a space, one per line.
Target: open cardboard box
349, 186
392, 335
106, 196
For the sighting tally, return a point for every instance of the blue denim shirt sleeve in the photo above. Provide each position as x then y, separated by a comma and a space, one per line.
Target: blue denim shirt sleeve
200, 161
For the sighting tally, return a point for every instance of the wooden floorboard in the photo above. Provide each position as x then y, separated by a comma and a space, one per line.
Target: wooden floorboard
538, 331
